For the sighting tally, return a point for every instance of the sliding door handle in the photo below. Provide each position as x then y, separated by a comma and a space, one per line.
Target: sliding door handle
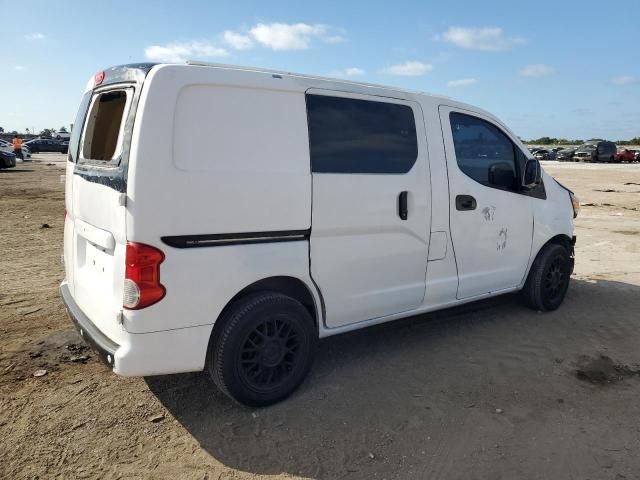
403, 209
465, 202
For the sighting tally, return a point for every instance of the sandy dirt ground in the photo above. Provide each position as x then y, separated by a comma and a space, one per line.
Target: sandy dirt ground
489, 391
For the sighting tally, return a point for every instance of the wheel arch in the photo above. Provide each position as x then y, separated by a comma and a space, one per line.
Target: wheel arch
291, 286
561, 239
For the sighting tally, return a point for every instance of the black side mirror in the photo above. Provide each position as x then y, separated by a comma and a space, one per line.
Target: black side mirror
532, 174
501, 175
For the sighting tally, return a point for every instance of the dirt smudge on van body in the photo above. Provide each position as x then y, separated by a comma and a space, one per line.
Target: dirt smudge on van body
489, 213
502, 239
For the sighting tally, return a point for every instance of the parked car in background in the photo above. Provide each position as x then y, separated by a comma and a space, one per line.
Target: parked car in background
601, 151
565, 155
7, 159
6, 146
63, 137
38, 145
544, 154
625, 155
637, 155
585, 153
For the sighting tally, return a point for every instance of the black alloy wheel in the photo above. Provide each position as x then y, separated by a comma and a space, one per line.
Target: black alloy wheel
548, 279
270, 353
262, 348
555, 279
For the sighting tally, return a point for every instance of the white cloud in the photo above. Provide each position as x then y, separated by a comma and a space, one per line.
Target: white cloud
19, 67
295, 36
179, 52
34, 36
625, 80
334, 39
277, 36
354, 71
491, 39
463, 82
237, 40
348, 72
410, 68
537, 70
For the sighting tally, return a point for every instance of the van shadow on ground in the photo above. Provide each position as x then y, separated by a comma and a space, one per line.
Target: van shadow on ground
418, 396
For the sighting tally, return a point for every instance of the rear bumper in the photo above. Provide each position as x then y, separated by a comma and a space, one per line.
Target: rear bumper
142, 354
103, 345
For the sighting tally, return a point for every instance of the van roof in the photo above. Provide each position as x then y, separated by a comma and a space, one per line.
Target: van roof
362, 86
311, 77
140, 70
118, 72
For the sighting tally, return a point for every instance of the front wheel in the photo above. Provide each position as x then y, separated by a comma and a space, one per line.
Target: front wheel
548, 280
263, 349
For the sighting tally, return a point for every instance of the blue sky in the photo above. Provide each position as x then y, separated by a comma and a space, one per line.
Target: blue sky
556, 68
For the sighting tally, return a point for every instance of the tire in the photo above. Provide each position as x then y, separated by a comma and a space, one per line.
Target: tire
548, 279
263, 349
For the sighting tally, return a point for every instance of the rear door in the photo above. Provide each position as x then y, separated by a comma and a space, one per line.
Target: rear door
371, 204
98, 192
491, 219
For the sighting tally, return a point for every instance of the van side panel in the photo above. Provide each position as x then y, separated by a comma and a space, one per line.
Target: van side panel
208, 158
442, 273
216, 159
200, 281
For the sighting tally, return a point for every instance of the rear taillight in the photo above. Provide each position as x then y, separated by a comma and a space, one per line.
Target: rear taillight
142, 285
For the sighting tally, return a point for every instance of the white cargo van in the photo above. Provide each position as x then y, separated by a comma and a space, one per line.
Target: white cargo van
227, 218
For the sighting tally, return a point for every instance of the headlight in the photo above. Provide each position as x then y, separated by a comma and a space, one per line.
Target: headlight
575, 203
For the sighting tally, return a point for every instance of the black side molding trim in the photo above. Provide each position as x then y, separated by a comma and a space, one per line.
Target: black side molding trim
245, 238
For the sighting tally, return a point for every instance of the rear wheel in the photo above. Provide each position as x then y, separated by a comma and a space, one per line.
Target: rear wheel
263, 349
548, 280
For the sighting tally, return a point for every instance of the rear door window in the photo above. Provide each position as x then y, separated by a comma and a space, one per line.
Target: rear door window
348, 135
104, 126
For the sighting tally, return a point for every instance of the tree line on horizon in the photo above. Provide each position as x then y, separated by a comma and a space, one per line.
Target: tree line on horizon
47, 132
565, 141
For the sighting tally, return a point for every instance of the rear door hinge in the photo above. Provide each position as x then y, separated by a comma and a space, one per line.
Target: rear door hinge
122, 200
120, 317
